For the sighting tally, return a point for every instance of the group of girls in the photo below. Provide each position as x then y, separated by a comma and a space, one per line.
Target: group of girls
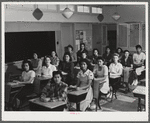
62, 74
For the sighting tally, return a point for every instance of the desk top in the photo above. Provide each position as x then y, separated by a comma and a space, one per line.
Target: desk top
43, 78
77, 93
50, 105
139, 90
15, 85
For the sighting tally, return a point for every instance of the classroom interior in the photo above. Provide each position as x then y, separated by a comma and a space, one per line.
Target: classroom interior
48, 29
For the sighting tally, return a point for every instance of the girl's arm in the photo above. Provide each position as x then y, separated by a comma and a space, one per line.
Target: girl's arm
85, 87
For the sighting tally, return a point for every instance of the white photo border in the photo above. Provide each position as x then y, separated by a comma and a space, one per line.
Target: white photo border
67, 116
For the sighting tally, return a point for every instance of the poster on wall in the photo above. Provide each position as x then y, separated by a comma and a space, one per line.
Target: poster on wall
81, 37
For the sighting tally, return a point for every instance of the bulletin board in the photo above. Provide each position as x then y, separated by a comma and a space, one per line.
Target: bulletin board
83, 36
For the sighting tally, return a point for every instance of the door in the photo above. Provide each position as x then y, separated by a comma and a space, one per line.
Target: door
96, 37
112, 39
104, 38
123, 36
66, 36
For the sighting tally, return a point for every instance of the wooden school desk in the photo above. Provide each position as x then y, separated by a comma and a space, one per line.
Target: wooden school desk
37, 105
11, 90
77, 97
39, 84
139, 92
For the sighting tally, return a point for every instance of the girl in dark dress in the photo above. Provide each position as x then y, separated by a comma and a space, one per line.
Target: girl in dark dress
67, 68
107, 56
82, 49
95, 56
120, 52
127, 60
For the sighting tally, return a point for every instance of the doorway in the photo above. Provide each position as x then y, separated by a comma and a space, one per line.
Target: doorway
112, 39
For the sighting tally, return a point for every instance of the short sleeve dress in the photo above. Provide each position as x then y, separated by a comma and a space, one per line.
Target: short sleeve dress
101, 73
84, 78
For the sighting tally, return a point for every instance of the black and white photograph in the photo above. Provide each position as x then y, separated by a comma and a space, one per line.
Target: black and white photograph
75, 61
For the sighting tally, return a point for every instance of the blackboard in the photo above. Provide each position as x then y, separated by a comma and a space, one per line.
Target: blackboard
22, 45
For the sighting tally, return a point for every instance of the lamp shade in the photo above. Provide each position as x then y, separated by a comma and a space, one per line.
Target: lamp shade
37, 13
67, 13
100, 17
116, 16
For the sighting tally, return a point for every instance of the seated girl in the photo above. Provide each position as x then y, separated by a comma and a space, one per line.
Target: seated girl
95, 56
47, 68
55, 90
84, 56
115, 70
67, 68
36, 62
119, 51
54, 59
127, 61
27, 78
85, 77
107, 56
101, 74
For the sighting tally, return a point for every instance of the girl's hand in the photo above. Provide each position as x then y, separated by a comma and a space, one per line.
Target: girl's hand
64, 73
77, 88
43, 99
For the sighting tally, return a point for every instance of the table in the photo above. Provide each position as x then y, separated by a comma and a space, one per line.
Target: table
77, 97
39, 83
139, 92
11, 90
37, 105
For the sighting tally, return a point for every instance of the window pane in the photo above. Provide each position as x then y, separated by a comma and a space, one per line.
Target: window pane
86, 9
94, 10
99, 10
80, 8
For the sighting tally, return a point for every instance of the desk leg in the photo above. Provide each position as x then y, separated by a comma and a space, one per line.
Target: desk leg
78, 106
139, 104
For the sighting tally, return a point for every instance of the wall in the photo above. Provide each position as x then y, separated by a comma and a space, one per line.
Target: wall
128, 13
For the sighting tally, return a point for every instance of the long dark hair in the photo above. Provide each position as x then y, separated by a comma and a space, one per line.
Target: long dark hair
55, 53
29, 63
94, 50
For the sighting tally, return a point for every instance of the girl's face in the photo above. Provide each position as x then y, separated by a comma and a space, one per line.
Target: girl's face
47, 61
108, 50
100, 62
69, 49
138, 50
67, 58
57, 78
115, 58
35, 56
53, 54
119, 50
82, 47
95, 52
83, 66
26, 67
84, 55
126, 54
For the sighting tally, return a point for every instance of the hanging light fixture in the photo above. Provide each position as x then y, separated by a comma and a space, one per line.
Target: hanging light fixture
116, 16
100, 17
37, 13
67, 13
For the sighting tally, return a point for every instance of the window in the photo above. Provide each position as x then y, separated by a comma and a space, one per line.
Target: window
62, 7
84, 9
96, 10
